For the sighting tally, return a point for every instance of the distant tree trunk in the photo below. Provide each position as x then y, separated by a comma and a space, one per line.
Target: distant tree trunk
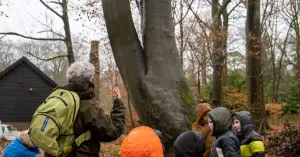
225, 16
297, 30
198, 80
68, 38
181, 50
283, 52
203, 66
218, 56
94, 59
275, 76
152, 74
254, 63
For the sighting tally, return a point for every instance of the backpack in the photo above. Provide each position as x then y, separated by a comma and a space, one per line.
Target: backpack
51, 127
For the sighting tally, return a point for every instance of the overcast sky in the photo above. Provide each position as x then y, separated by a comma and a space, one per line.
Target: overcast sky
28, 16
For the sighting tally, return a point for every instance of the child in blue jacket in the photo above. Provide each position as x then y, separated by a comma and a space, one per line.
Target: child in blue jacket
21, 147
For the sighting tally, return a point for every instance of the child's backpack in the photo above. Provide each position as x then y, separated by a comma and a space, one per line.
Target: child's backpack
51, 127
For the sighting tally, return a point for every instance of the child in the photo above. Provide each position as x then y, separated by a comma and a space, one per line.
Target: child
142, 142
21, 147
226, 143
189, 144
250, 140
202, 126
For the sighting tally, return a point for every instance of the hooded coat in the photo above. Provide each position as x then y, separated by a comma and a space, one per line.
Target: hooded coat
251, 142
90, 116
226, 142
189, 144
142, 142
201, 126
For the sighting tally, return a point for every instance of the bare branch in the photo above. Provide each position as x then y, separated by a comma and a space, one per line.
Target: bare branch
234, 8
2, 36
47, 6
189, 5
48, 59
208, 1
222, 8
197, 17
52, 32
33, 38
59, 3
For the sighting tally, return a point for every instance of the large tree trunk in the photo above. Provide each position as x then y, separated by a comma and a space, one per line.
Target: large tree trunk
153, 75
254, 73
94, 59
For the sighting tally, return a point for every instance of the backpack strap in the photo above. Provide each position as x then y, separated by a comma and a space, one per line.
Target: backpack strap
83, 137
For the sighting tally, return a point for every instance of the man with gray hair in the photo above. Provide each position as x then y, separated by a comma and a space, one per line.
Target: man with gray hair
91, 116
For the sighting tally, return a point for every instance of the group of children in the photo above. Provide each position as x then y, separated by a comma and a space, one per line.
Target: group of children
216, 133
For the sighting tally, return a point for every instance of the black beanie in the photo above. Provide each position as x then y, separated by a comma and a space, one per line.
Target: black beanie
189, 144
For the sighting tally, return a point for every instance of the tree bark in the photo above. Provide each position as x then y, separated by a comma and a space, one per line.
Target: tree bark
254, 73
198, 80
218, 56
181, 50
94, 59
203, 66
130, 111
68, 39
153, 76
225, 23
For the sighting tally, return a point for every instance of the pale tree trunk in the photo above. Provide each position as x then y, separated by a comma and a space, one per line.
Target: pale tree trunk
94, 59
152, 74
254, 65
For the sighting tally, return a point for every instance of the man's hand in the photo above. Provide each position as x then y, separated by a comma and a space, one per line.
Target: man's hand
116, 93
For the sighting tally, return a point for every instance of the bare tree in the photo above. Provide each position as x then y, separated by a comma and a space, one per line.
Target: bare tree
291, 14
6, 54
55, 68
66, 38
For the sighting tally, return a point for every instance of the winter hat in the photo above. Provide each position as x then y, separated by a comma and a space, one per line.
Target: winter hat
142, 142
189, 144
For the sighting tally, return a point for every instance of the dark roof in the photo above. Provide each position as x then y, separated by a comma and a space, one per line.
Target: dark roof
36, 69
